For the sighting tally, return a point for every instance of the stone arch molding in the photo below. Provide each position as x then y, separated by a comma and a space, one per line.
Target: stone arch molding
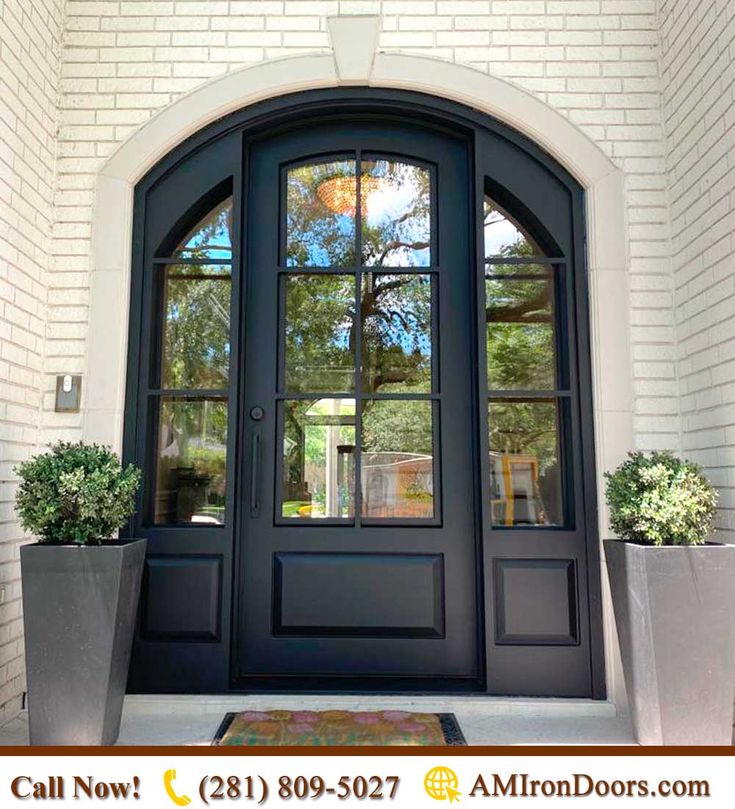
355, 60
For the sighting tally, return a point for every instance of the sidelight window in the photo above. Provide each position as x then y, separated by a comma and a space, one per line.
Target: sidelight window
188, 394
528, 391
358, 387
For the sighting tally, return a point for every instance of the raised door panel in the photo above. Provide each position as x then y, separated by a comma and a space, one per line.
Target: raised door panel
359, 595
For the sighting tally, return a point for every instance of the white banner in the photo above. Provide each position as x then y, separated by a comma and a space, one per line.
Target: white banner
411, 781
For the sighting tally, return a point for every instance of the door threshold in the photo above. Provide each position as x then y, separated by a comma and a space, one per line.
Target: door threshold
511, 707
337, 685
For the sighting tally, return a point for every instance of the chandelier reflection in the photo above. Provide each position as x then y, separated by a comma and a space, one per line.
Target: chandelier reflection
338, 193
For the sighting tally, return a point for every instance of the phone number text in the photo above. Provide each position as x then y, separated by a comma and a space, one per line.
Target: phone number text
213, 788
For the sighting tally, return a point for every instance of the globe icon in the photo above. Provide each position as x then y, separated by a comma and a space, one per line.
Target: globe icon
441, 784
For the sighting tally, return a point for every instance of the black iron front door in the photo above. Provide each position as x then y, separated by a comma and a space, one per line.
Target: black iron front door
358, 534
359, 388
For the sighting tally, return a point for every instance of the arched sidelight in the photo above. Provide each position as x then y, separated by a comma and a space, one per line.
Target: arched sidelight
524, 376
191, 401
359, 386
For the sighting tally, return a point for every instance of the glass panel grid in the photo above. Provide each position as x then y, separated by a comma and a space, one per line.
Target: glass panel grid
188, 401
324, 227
526, 407
379, 366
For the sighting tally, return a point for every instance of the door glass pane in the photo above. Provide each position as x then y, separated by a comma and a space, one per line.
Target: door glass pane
504, 236
520, 334
525, 478
320, 347
396, 216
190, 461
397, 463
211, 237
318, 458
196, 326
321, 202
396, 333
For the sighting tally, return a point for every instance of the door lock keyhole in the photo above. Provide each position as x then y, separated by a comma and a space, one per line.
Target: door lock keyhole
257, 413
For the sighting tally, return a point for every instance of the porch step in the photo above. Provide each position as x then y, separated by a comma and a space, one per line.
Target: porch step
511, 707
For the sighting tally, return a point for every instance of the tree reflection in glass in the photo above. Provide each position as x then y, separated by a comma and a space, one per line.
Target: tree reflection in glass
196, 330
525, 474
520, 333
396, 220
318, 458
191, 461
321, 203
396, 333
211, 237
504, 236
320, 345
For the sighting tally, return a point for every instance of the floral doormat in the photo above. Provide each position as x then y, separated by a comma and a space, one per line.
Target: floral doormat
330, 728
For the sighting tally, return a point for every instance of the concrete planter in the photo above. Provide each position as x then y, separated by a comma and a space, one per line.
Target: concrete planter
79, 611
675, 615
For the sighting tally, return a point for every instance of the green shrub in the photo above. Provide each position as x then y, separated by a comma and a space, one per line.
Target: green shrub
75, 493
658, 499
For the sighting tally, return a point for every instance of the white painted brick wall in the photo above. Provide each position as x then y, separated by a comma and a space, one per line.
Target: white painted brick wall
30, 47
596, 61
698, 73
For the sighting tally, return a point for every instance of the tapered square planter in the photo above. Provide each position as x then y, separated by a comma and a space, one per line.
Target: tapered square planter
79, 611
675, 615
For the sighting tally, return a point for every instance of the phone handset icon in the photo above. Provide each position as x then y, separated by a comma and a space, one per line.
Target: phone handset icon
180, 800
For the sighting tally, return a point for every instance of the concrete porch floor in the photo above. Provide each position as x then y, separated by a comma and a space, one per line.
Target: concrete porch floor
193, 720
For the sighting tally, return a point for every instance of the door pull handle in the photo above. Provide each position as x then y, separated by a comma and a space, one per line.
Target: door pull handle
255, 473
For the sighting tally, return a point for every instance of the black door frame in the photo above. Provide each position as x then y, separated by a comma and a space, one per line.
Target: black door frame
282, 112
